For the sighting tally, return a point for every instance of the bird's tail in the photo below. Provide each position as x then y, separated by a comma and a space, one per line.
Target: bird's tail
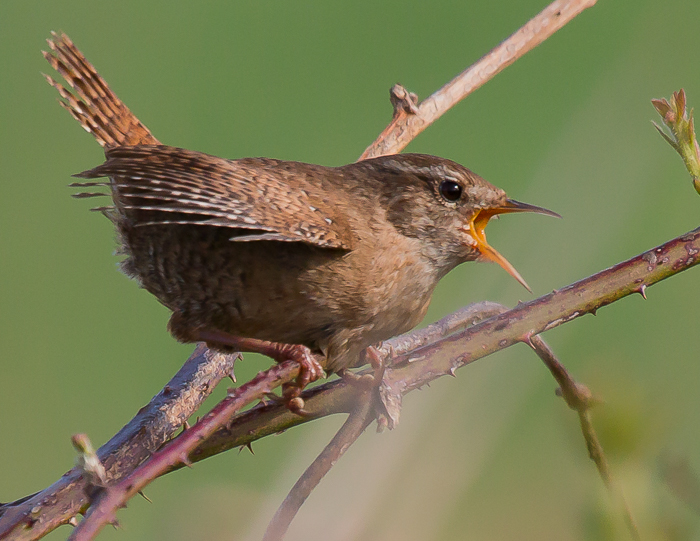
91, 102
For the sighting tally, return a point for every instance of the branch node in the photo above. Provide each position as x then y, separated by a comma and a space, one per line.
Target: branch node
403, 101
527, 339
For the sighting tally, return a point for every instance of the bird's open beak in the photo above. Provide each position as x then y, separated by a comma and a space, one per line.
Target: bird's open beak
482, 217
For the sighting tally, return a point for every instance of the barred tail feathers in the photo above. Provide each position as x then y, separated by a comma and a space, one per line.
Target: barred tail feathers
92, 103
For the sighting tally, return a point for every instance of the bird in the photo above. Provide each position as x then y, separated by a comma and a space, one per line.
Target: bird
293, 260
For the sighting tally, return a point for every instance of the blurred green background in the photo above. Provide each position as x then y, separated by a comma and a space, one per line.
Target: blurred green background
492, 454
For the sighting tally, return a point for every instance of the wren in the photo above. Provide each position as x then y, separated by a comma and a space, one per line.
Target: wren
280, 257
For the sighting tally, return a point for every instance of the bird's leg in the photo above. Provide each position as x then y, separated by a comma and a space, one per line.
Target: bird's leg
377, 361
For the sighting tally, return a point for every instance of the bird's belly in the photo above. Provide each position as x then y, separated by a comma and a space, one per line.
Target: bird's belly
386, 293
252, 289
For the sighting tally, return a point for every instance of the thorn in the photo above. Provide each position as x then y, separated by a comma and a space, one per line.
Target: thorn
185, 459
185, 426
527, 339
593, 311
451, 372
73, 521
145, 497
115, 524
232, 376
246, 445
643, 291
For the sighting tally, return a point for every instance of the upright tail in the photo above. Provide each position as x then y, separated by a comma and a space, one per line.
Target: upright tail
92, 103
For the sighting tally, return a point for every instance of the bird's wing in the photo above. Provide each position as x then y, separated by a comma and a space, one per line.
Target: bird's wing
257, 198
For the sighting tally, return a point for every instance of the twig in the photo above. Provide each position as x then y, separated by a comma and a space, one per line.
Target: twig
462, 318
578, 397
544, 313
333, 397
177, 451
365, 411
34, 516
405, 127
356, 423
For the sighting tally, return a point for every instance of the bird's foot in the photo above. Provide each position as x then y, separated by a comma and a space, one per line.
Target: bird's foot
310, 369
367, 380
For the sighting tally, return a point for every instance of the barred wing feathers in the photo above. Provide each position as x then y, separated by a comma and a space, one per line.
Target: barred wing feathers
259, 198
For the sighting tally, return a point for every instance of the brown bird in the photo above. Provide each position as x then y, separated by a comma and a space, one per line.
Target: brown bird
280, 257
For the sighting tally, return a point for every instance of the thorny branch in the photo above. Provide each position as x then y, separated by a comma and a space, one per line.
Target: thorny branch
439, 350
178, 452
358, 420
34, 516
103, 509
579, 398
417, 367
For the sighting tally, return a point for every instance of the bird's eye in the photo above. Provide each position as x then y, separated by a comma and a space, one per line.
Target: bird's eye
450, 190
